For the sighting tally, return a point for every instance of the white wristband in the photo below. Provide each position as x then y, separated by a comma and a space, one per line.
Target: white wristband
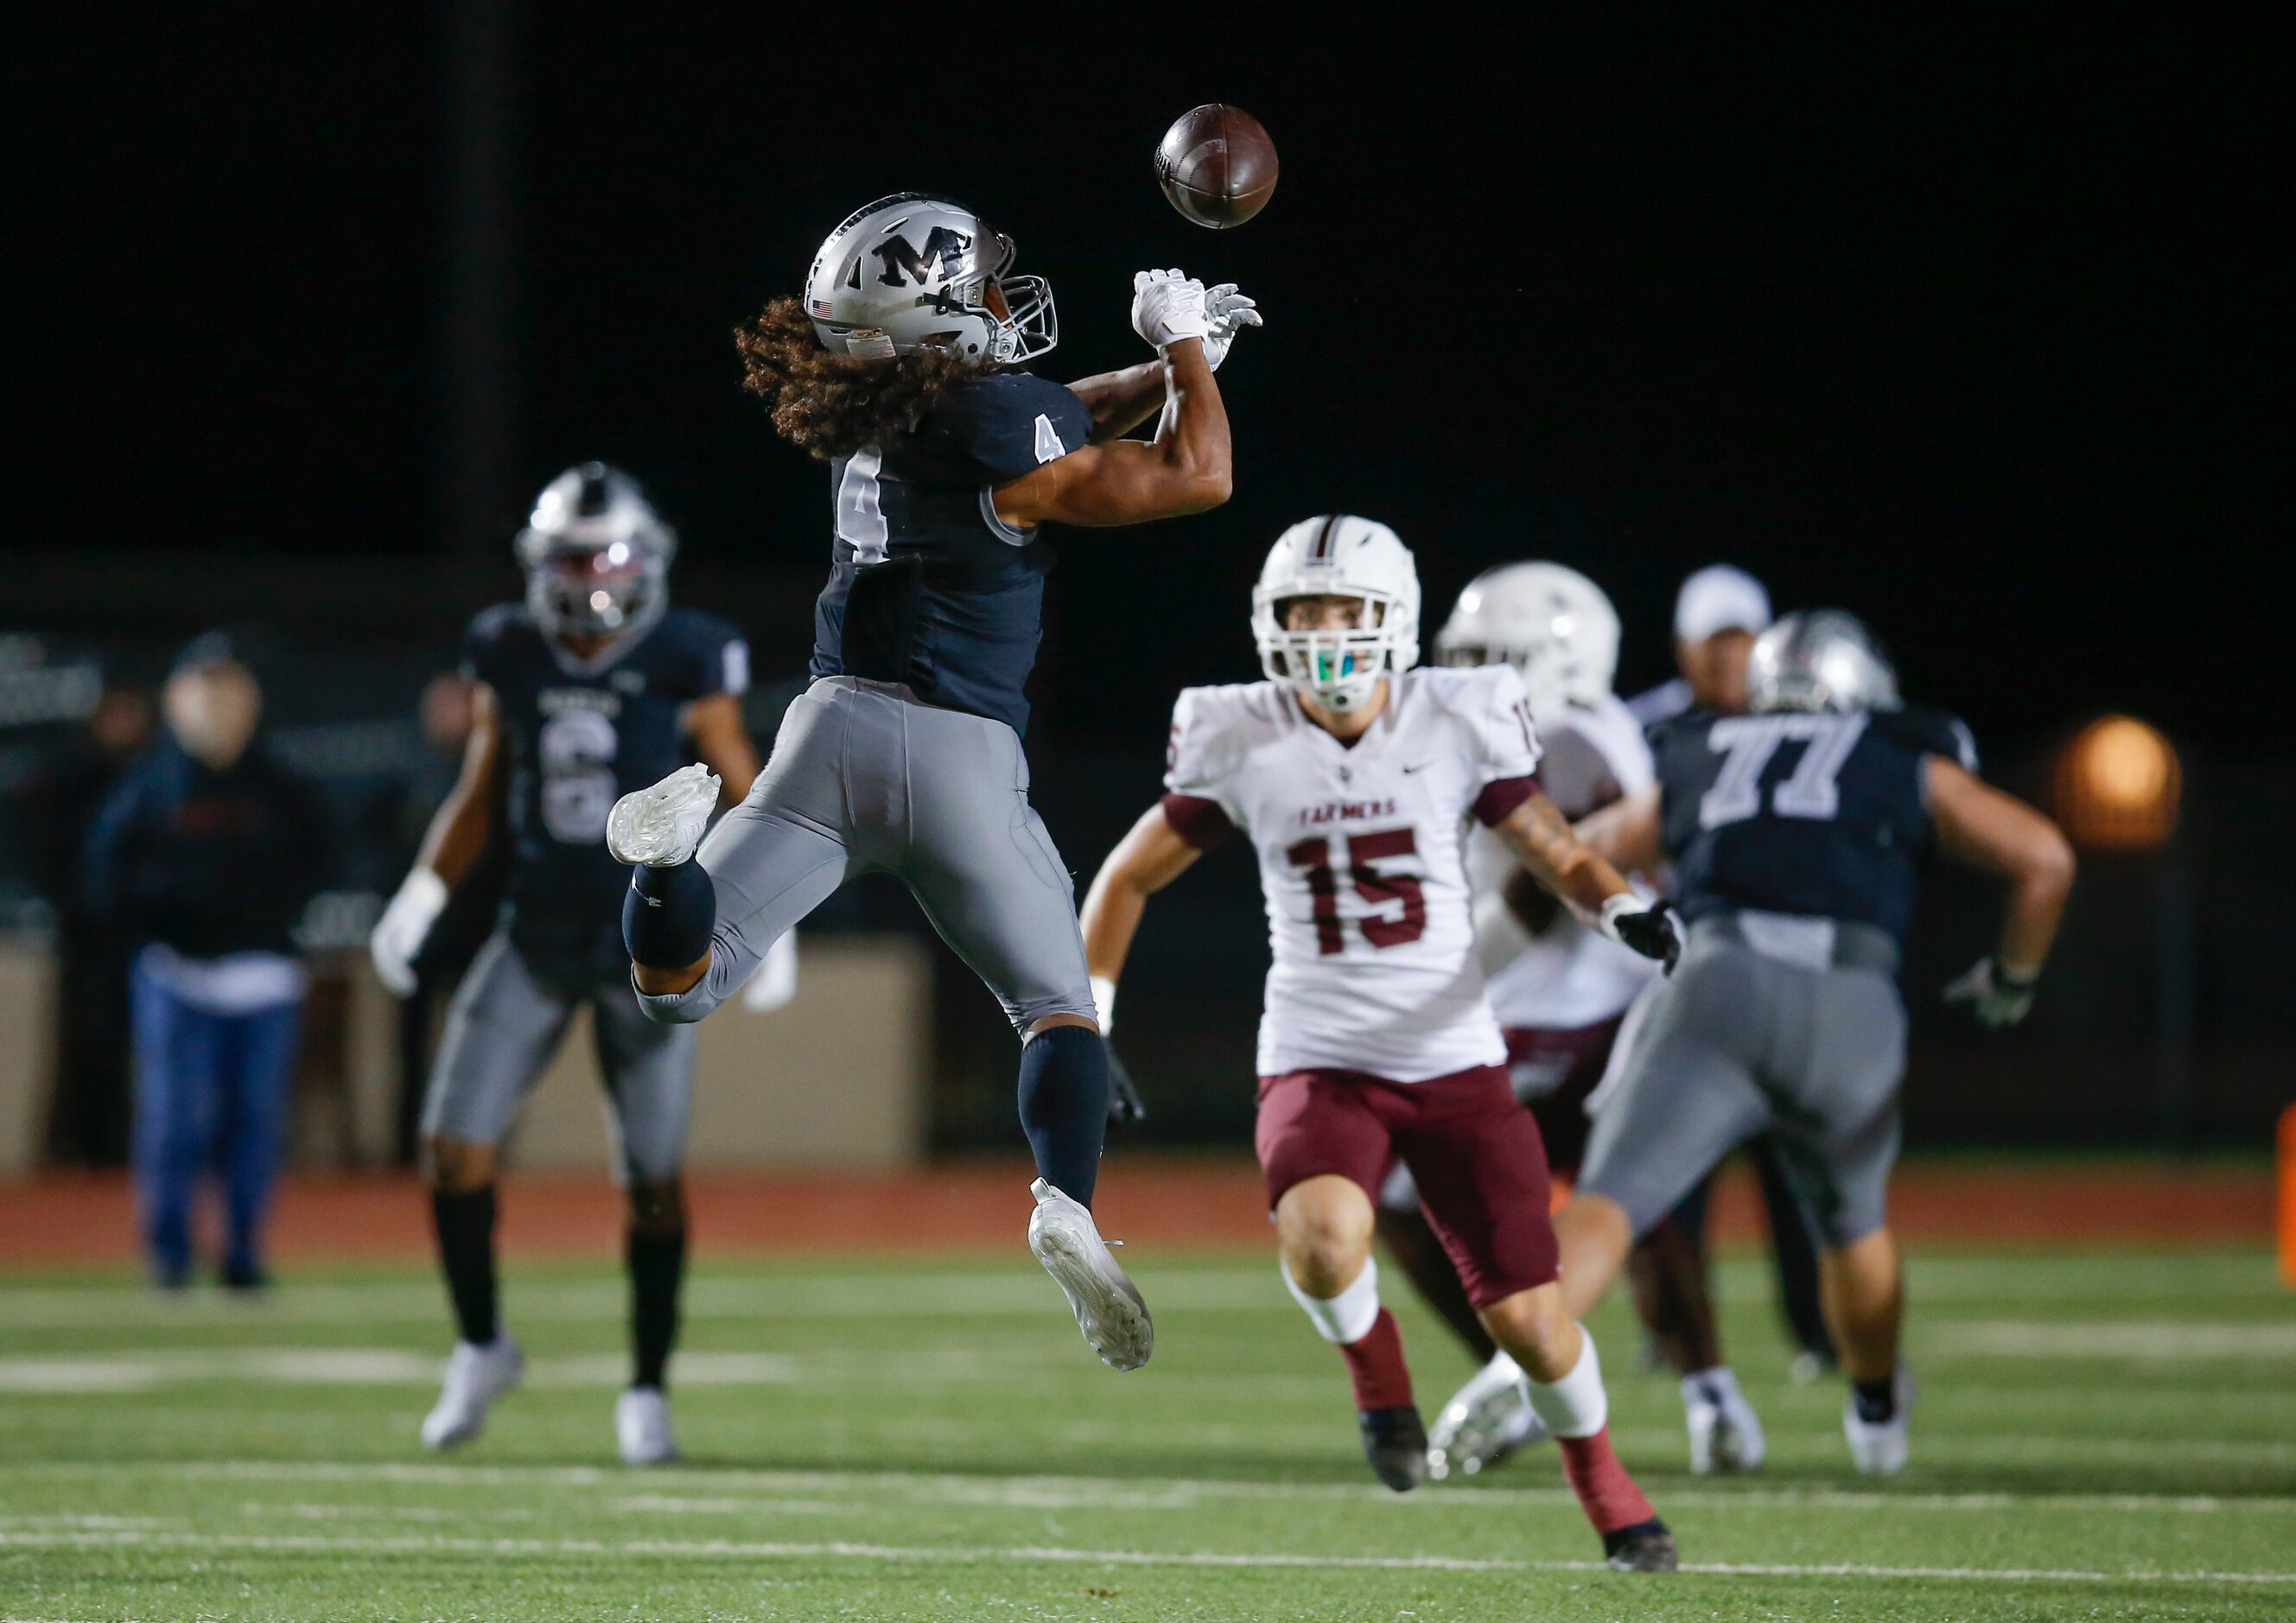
423, 891
1103, 1000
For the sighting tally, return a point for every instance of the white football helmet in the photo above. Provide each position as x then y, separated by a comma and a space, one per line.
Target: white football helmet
596, 554
1551, 623
912, 272
1338, 555
1820, 659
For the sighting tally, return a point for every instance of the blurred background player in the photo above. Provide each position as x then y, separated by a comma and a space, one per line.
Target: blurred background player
592, 686
1354, 774
1560, 990
1717, 613
900, 370
400, 815
204, 856
1798, 833
58, 801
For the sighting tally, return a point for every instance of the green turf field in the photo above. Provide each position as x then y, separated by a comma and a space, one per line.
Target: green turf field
2098, 1437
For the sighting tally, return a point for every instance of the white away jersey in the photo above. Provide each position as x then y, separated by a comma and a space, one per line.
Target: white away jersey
1567, 976
1361, 859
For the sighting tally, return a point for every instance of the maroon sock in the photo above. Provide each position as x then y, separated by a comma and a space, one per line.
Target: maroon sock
1605, 1491
1382, 1381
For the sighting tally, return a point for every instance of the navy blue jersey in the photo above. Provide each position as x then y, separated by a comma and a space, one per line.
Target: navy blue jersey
578, 735
1822, 814
926, 585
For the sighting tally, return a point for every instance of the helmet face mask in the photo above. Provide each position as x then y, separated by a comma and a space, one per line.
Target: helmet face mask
915, 272
1551, 623
596, 555
1337, 556
1822, 659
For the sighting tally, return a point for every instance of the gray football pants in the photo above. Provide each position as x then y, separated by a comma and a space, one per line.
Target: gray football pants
1738, 1042
864, 779
503, 1029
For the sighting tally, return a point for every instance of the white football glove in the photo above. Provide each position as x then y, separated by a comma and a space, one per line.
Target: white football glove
406, 923
1228, 313
1997, 998
1167, 306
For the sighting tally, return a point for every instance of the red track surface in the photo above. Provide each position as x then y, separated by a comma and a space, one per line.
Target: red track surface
1164, 1201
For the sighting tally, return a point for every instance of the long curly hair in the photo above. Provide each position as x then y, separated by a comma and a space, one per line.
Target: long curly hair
830, 405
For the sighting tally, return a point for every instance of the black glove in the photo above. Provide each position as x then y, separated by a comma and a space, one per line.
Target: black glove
1123, 1102
1650, 931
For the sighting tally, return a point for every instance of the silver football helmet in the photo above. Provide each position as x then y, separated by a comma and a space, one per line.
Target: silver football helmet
1338, 555
914, 272
596, 555
1820, 659
1551, 623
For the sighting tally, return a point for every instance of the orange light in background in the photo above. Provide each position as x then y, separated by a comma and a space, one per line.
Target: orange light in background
2119, 785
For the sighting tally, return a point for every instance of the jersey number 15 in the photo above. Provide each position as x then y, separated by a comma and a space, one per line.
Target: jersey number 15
1379, 929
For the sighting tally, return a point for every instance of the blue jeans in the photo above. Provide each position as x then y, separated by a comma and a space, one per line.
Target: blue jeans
210, 1092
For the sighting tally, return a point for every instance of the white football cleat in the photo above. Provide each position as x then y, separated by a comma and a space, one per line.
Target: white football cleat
1879, 1450
1108, 1307
476, 1376
642, 1427
1487, 1420
662, 826
1725, 1434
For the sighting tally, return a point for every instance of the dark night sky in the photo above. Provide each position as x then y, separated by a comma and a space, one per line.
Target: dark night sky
1966, 330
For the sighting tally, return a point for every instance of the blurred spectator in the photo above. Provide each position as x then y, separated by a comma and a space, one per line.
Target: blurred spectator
204, 856
87, 1122
1717, 614
446, 711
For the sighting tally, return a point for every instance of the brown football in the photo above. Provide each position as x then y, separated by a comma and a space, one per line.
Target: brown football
1217, 166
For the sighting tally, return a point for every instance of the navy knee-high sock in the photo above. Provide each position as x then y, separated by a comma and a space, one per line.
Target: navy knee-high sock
669, 915
1064, 1106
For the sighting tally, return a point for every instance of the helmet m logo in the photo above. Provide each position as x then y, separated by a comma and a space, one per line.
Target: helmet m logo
901, 261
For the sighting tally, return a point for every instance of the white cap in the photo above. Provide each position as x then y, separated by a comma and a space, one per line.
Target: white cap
1720, 597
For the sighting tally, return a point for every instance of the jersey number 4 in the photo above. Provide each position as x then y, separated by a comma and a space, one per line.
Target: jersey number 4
1747, 744
1379, 929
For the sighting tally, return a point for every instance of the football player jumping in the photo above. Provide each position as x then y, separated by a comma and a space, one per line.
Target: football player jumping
1353, 776
901, 370
1798, 835
591, 686
1559, 991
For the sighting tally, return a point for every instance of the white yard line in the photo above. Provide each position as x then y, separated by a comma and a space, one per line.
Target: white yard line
2152, 1342
1253, 1287
317, 1543
1125, 1493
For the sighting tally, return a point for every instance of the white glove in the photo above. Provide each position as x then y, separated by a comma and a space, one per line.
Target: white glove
1103, 1002
1167, 306
1229, 312
1997, 998
773, 984
405, 925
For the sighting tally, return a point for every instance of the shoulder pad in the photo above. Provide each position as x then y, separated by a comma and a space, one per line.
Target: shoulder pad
489, 630
1214, 729
1932, 731
1610, 729
1009, 422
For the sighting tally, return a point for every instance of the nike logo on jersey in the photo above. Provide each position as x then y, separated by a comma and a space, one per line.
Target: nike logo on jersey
1422, 766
